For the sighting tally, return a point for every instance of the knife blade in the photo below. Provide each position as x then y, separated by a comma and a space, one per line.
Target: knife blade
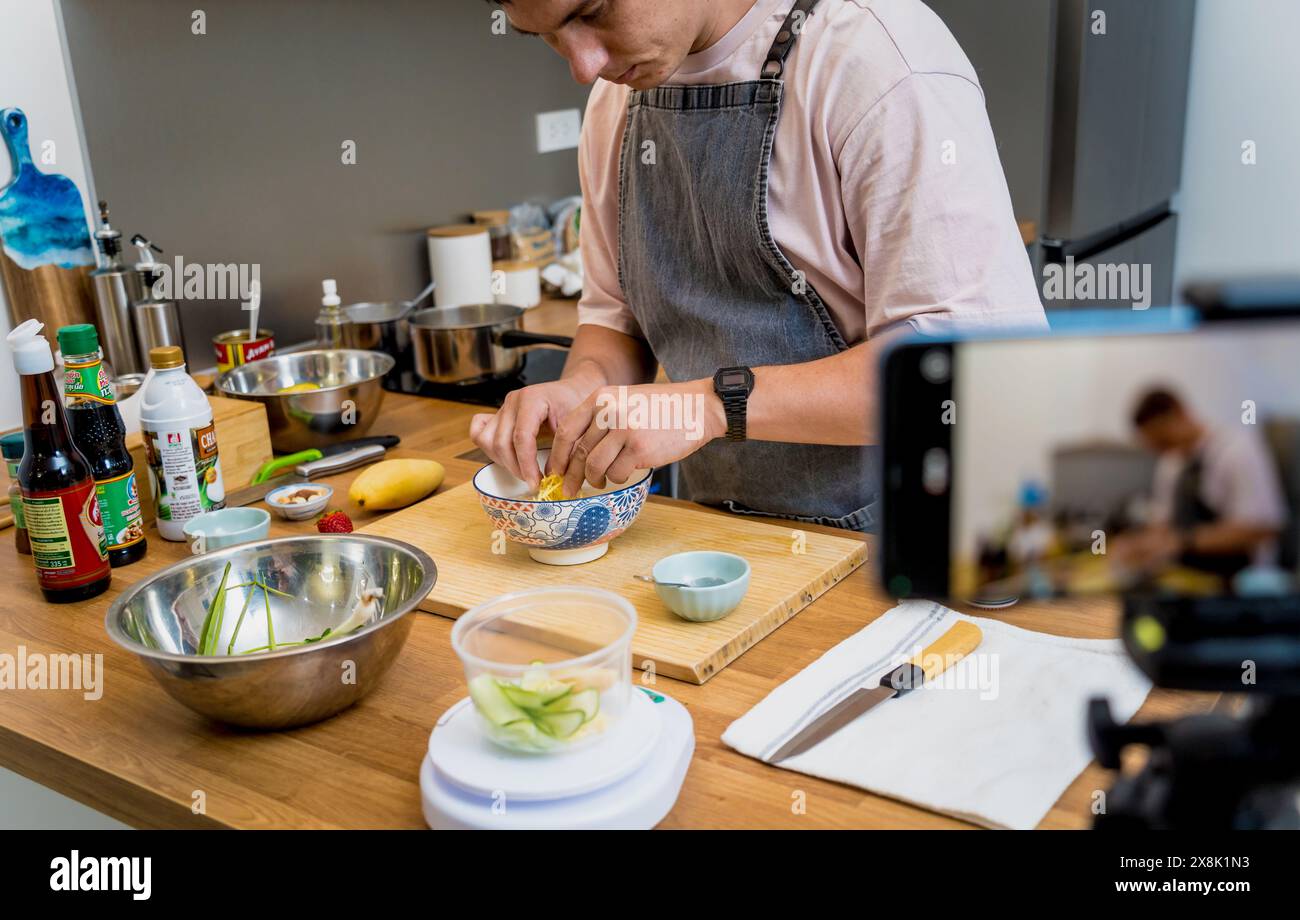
305, 472
955, 644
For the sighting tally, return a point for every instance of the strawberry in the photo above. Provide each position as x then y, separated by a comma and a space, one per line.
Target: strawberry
334, 522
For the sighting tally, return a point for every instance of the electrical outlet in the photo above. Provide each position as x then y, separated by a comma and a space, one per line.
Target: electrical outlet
558, 130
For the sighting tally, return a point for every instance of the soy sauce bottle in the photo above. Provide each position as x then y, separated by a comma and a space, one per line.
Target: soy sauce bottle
59, 503
100, 435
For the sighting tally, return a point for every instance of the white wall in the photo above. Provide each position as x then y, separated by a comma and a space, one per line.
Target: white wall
34, 77
1008, 431
1245, 74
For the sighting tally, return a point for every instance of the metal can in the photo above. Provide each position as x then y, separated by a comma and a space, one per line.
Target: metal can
235, 348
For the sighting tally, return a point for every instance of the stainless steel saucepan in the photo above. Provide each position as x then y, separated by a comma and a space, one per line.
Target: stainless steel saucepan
473, 343
384, 327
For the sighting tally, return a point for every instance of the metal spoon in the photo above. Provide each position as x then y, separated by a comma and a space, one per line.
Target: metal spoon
704, 581
412, 304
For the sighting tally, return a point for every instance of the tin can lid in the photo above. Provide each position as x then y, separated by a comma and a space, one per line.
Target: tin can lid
81, 339
166, 356
12, 446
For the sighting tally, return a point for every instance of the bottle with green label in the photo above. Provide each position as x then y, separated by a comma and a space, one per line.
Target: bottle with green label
100, 435
12, 446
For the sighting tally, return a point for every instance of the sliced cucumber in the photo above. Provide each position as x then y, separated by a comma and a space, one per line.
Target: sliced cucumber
537, 715
560, 724
586, 702
539, 698
536, 678
523, 734
492, 702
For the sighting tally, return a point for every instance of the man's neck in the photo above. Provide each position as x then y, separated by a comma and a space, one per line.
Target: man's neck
1198, 440
720, 17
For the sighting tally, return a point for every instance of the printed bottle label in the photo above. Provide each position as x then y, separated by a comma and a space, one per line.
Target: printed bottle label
119, 505
20, 522
89, 381
185, 472
67, 536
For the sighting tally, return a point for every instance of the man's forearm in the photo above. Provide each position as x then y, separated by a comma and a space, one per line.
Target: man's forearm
1224, 537
605, 357
830, 401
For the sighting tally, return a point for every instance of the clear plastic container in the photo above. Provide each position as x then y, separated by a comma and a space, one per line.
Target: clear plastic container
549, 669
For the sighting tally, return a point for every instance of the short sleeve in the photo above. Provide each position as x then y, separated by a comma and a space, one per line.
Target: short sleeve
602, 302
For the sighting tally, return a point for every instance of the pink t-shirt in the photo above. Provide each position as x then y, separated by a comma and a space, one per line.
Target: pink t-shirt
885, 187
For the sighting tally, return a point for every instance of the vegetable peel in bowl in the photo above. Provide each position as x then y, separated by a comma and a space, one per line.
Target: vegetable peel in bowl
542, 712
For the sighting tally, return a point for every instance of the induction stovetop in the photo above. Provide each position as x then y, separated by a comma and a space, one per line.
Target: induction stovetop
541, 365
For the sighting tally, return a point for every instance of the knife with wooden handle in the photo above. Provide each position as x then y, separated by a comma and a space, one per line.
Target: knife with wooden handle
960, 640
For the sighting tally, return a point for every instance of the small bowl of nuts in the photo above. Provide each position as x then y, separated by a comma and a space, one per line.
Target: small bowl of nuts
299, 501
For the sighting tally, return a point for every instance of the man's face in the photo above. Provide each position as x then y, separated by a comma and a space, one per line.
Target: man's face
640, 43
1172, 431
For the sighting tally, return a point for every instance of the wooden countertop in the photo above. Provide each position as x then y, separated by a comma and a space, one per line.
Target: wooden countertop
139, 756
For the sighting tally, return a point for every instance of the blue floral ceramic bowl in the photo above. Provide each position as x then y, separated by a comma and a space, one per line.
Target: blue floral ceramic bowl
566, 532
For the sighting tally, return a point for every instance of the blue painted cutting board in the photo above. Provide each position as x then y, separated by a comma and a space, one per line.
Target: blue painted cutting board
42, 221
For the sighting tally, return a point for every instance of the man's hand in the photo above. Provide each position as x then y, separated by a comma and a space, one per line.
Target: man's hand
510, 436
599, 357
1148, 549
618, 430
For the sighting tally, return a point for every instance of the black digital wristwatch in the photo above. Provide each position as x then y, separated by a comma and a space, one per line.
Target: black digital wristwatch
733, 386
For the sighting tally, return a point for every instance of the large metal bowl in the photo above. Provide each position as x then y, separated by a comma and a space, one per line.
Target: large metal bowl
160, 619
345, 405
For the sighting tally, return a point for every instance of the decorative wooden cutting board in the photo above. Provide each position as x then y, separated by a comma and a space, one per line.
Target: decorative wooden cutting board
790, 568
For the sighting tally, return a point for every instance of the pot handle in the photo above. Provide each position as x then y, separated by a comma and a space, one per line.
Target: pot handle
517, 338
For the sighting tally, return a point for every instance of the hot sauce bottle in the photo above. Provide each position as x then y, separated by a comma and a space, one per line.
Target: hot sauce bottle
60, 506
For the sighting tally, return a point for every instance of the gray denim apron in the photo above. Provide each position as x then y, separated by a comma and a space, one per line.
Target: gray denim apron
710, 288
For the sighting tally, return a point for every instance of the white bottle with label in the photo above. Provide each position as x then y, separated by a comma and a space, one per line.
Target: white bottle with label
180, 444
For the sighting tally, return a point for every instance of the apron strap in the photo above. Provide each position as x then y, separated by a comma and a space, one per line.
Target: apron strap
774, 66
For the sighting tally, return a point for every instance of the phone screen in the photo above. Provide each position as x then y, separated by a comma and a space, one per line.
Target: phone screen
1164, 463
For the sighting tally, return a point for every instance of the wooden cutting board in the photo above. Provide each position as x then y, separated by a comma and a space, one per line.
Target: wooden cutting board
790, 568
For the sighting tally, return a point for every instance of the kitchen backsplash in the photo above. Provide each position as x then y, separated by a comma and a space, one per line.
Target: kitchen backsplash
303, 141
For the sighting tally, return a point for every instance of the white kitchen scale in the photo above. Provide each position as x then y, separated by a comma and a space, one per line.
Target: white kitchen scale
628, 780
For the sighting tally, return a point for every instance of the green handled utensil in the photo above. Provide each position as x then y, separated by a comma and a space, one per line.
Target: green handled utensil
272, 468
276, 467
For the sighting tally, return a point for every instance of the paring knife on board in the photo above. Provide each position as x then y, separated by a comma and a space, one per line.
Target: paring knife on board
955, 644
305, 472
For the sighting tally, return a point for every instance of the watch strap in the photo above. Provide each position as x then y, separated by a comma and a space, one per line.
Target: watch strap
734, 405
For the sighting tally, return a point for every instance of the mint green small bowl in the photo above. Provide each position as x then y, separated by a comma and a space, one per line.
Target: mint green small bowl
702, 605
227, 527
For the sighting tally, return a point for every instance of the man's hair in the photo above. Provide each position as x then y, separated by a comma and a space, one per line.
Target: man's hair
1155, 404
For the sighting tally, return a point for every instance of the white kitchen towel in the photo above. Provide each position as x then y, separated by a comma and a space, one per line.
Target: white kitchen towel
995, 740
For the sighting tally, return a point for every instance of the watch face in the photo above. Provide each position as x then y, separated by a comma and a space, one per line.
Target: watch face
732, 380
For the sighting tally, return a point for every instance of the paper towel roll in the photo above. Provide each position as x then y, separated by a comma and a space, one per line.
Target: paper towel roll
460, 261
517, 283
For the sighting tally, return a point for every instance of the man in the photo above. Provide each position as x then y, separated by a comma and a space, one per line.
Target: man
1217, 502
771, 189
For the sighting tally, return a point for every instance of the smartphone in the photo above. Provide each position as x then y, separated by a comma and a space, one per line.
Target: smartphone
1150, 463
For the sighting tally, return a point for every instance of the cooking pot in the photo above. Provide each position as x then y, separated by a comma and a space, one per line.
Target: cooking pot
381, 327
469, 344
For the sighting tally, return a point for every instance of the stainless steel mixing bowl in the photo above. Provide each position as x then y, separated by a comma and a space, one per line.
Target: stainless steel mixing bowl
345, 405
161, 619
